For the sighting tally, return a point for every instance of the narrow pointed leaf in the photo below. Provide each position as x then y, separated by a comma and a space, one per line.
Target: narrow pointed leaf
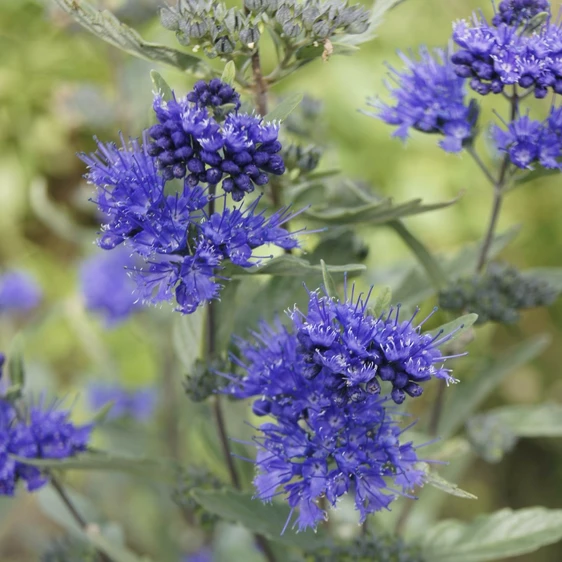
161, 85
329, 285
284, 109
229, 73
458, 326
437, 481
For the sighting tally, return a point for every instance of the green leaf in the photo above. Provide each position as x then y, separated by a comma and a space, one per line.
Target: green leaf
530, 420
100, 461
101, 415
467, 396
16, 368
432, 267
229, 73
374, 213
550, 275
382, 302
437, 481
187, 335
533, 175
496, 536
311, 52
106, 26
329, 285
284, 109
289, 265
265, 519
116, 553
161, 86
461, 325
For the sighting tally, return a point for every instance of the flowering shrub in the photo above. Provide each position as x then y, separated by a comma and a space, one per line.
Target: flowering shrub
221, 204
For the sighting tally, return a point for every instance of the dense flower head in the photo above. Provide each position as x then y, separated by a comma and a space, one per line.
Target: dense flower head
213, 94
107, 287
331, 432
138, 404
19, 292
500, 55
430, 97
520, 12
529, 142
189, 142
42, 433
180, 240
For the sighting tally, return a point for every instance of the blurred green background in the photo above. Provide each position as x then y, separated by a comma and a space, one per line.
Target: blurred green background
59, 86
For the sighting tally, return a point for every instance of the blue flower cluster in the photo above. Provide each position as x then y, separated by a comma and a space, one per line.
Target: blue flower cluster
181, 238
320, 380
188, 141
43, 434
520, 12
214, 94
138, 404
529, 142
430, 98
19, 292
497, 55
107, 287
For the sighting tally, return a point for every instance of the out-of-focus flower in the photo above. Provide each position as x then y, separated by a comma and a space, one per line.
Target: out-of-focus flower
107, 286
430, 98
138, 404
19, 292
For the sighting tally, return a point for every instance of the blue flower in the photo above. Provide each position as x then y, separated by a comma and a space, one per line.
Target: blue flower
137, 404
202, 555
499, 55
19, 292
213, 94
430, 98
529, 142
519, 12
331, 433
181, 247
107, 286
44, 433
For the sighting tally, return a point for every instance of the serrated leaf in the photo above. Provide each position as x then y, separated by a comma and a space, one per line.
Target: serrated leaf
467, 396
161, 85
496, 536
376, 212
229, 73
106, 26
437, 481
382, 302
288, 265
329, 285
284, 109
456, 327
530, 420
265, 519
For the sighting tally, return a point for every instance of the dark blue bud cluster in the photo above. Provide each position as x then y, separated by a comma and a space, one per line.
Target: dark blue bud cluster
493, 56
214, 94
189, 142
181, 241
329, 431
520, 12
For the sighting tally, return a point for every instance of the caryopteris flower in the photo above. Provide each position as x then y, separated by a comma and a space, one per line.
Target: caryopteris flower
40, 433
331, 432
137, 404
430, 98
529, 142
213, 94
182, 240
19, 292
497, 55
107, 287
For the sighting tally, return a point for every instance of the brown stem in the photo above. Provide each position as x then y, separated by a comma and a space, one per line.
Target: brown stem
223, 437
259, 85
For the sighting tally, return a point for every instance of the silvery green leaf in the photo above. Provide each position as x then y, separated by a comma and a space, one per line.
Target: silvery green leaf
161, 85
106, 26
432, 478
229, 73
458, 326
496, 536
329, 285
284, 109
